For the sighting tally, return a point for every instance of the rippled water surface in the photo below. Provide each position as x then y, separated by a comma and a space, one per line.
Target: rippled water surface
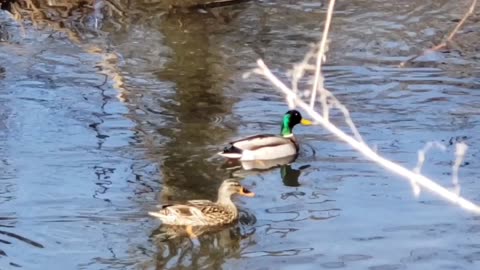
113, 108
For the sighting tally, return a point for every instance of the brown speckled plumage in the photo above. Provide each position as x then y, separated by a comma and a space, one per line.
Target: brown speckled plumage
205, 212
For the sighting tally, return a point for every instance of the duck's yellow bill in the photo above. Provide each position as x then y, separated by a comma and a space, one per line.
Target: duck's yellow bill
247, 193
306, 122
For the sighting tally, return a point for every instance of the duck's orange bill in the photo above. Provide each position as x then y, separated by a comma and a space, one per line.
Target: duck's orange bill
247, 193
306, 122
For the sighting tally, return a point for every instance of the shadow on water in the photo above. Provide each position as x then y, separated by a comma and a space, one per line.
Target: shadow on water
182, 119
198, 104
8, 188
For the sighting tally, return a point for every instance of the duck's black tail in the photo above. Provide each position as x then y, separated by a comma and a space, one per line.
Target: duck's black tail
231, 152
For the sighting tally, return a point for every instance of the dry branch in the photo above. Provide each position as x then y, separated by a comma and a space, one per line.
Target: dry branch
329, 101
320, 58
366, 150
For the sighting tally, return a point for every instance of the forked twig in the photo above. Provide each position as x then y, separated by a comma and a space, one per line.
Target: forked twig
421, 159
460, 150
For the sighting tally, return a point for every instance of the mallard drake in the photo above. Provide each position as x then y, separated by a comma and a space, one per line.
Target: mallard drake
205, 212
268, 146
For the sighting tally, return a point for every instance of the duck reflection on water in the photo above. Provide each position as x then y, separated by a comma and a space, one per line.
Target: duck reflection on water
290, 176
210, 250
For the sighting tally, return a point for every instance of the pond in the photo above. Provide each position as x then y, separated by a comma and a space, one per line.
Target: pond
112, 108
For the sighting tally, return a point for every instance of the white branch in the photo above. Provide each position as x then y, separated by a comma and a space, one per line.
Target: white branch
365, 149
460, 151
298, 72
421, 160
320, 58
329, 101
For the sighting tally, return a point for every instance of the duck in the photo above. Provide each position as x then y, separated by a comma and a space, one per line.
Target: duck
204, 212
268, 146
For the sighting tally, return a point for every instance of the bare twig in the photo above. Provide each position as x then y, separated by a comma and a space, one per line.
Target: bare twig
320, 58
298, 72
421, 159
335, 103
460, 151
449, 37
327, 99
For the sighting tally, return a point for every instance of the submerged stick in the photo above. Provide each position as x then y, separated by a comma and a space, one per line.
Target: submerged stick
448, 39
213, 4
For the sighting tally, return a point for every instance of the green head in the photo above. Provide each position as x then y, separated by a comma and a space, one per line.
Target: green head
290, 119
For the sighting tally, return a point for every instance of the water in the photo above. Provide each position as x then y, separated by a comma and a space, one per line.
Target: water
83, 159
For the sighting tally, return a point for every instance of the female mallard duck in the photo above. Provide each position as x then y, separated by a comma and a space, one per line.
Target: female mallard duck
205, 212
267, 146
